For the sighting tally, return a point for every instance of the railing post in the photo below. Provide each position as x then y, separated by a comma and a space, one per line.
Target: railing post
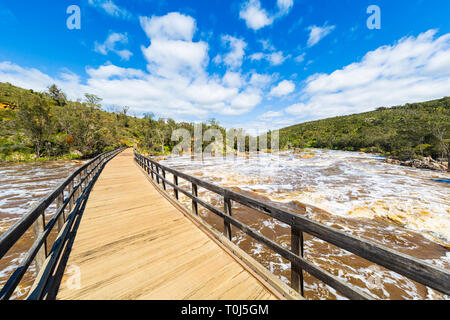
175, 182
194, 202
38, 229
71, 201
164, 176
59, 203
296, 271
152, 168
157, 174
226, 224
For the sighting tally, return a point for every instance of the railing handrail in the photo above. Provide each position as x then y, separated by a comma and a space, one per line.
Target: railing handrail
423, 272
9, 238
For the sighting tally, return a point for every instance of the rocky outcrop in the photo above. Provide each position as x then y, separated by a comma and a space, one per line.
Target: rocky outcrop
424, 163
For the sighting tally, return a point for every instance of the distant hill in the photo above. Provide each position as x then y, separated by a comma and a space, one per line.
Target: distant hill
403, 132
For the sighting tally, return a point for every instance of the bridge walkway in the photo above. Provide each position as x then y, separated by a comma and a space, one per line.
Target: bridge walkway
132, 243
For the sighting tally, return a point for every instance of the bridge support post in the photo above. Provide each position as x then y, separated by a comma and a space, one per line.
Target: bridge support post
296, 271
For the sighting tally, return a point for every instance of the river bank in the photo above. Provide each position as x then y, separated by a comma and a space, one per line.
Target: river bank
427, 163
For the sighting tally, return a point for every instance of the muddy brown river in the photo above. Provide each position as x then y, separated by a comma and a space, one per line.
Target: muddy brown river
402, 208
22, 184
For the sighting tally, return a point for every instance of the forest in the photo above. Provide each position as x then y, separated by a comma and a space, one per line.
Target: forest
405, 132
46, 125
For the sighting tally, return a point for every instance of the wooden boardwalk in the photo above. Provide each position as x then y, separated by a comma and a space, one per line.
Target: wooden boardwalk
134, 244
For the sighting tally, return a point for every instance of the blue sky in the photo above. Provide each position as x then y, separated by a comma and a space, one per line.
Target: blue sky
248, 63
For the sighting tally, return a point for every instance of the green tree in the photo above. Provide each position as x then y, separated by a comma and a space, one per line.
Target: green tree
57, 95
36, 121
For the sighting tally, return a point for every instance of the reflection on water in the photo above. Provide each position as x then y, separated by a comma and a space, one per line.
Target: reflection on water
22, 184
402, 208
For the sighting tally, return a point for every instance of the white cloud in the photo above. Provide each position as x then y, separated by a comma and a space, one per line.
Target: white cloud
270, 115
111, 8
232, 79
318, 33
255, 17
260, 80
257, 56
234, 57
172, 51
110, 45
274, 58
285, 87
300, 58
413, 69
174, 26
285, 6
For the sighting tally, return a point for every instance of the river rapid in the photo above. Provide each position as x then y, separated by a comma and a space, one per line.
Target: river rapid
21, 185
402, 208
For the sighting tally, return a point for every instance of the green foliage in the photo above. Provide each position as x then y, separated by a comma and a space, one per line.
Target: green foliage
50, 126
402, 132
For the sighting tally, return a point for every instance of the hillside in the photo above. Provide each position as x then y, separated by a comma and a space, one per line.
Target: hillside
403, 132
46, 125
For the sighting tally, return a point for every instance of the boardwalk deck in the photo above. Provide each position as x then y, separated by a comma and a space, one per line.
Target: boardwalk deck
133, 244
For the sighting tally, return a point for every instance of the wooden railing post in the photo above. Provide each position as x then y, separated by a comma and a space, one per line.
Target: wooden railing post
164, 176
38, 229
157, 174
71, 200
59, 203
152, 168
227, 210
175, 182
194, 202
296, 271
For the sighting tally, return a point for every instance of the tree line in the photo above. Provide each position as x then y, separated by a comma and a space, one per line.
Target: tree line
49, 125
405, 132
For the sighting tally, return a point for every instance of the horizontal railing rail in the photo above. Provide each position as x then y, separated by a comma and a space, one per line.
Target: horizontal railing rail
77, 187
418, 270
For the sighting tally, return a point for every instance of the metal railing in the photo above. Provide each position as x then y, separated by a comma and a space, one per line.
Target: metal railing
427, 274
70, 197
